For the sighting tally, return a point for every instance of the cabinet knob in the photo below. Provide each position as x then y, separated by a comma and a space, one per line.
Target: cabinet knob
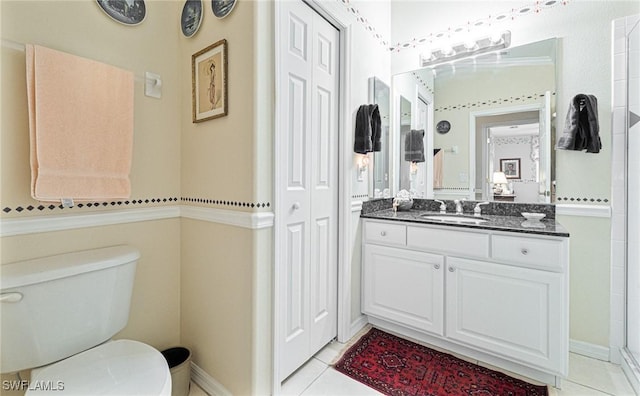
436, 266
524, 251
451, 269
383, 233
296, 206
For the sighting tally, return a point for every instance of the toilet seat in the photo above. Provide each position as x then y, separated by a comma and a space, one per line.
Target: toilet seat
122, 367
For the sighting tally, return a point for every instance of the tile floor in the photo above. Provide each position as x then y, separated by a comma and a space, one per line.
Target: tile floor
587, 377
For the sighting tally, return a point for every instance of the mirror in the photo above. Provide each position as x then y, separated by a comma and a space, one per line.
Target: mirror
379, 93
491, 113
404, 178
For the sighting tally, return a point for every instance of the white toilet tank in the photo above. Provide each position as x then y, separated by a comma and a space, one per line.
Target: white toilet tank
55, 307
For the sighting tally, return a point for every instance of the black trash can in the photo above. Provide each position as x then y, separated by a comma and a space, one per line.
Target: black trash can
179, 361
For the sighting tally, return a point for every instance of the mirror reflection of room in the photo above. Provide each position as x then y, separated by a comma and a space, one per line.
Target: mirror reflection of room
380, 179
485, 109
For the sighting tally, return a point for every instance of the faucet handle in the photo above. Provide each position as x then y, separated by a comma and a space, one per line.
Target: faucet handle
443, 206
477, 210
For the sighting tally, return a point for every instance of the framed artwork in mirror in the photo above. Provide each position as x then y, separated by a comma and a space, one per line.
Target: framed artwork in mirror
209, 82
510, 167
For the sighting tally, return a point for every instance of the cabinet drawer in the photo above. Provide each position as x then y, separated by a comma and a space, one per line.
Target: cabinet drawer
447, 241
385, 233
528, 252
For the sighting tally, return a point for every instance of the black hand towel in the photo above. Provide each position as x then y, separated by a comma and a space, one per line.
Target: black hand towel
581, 129
368, 129
414, 146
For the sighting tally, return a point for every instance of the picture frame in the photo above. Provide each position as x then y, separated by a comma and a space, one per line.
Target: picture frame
510, 167
209, 82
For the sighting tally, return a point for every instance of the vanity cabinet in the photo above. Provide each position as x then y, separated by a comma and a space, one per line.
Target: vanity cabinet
405, 286
500, 297
515, 312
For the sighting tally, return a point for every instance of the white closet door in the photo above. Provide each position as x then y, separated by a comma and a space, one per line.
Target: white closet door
309, 195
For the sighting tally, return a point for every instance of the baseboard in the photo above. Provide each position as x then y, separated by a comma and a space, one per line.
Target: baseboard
589, 350
631, 371
207, 382
358, 325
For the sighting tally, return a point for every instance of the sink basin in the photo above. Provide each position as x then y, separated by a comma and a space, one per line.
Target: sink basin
454, 218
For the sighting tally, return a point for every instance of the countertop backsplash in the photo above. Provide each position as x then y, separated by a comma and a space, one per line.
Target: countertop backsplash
493, 208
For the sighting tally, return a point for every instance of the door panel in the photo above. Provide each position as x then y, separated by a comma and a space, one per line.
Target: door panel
296, 140
295, 288
308, 203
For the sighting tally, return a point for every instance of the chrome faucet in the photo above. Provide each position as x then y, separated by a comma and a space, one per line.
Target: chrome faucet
458, 206
443, 207
477, 211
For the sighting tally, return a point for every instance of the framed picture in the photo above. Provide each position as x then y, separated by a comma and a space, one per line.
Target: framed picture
209, 82
130, 12
222, 8
510, 167
191, 17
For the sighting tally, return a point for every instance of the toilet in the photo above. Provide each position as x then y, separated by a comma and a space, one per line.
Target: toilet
58, 316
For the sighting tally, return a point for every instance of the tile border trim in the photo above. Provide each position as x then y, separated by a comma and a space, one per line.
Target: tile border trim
42, 206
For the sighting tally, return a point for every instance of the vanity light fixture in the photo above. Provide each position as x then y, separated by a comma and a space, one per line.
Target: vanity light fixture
468, 48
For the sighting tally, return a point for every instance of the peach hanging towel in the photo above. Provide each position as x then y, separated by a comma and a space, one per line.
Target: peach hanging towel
80, 126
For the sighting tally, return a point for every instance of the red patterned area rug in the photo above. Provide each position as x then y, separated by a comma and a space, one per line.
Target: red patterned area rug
398, 367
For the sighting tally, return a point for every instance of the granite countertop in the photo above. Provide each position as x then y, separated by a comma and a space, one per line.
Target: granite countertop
493, 222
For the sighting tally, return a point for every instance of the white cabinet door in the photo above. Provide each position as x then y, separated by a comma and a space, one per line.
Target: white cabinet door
515, 312
404, 286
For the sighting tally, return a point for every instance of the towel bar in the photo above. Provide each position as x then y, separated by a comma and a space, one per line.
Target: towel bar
20, 47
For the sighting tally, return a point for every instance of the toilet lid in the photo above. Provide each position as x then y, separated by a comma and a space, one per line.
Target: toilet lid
121, 367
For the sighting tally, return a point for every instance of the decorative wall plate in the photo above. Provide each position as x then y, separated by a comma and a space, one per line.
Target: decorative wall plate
126, 12
222, 8
443, 126
191, 17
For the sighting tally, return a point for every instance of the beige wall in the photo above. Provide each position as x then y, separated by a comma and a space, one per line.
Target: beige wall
155, 306
205, 285
217, 297
226, 276
218, 155
81, 28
